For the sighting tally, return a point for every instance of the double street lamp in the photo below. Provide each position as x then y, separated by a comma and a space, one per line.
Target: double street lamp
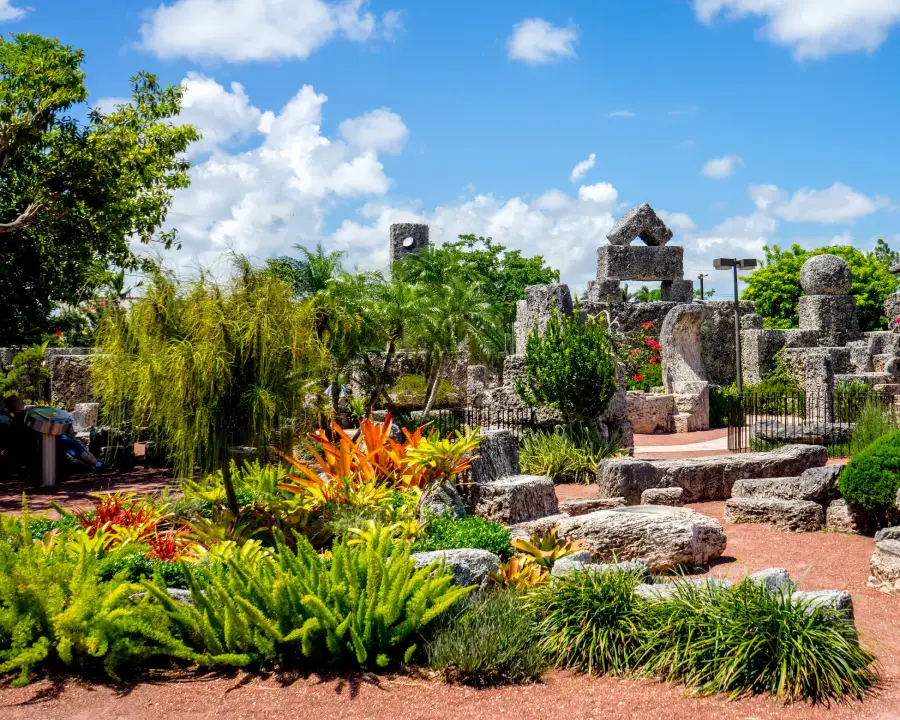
735, 265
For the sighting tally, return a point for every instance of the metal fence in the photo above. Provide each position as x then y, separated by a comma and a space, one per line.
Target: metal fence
445, 420
844, 421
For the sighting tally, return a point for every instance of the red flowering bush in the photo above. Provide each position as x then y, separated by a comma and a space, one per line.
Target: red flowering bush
642, 357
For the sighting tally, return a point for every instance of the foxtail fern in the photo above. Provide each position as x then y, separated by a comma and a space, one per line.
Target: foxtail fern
364, 609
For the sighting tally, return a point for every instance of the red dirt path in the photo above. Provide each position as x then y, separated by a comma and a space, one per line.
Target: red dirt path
816, 561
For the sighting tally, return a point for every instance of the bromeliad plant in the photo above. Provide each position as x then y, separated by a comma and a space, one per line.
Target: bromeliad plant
364, 471
546, 548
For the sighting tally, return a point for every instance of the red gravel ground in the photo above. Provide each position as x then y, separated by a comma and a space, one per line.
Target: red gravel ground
816, 561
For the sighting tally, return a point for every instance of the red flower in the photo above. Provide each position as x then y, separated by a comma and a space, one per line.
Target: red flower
638, 377
647, 325
653, 361
897, 321
59, 333
652, 343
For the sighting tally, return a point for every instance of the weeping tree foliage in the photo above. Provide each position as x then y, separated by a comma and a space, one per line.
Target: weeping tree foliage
207, 365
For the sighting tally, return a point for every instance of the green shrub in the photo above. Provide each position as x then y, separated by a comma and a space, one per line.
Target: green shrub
566, 454
488, 640
41, 525
408, 392
872, 478
592, 622
569, 367
56, 609
747, 640
363, 609
470, 532
137, 566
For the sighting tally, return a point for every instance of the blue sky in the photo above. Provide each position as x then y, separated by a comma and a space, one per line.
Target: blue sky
746, 121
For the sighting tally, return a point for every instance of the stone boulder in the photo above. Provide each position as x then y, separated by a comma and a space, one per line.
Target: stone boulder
787, 515
468, 565
663, 496
885, 564
838, 600
650, 413
642, 222
844, 518
775, 579
664, 537
710, 478
826, 275
514, 499
583, 506
816, 484
441, 499
497, 457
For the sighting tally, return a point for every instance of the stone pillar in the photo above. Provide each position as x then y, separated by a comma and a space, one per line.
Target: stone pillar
828, 308
407, 238
539, 304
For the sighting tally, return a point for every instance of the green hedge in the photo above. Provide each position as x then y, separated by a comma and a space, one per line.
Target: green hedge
470, 532
872, 478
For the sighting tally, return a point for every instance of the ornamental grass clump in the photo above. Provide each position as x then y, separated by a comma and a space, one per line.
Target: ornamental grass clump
488, 639
747, 640
591, 621
364, 608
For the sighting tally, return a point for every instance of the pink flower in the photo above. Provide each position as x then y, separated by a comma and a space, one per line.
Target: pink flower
92, 309
897, 321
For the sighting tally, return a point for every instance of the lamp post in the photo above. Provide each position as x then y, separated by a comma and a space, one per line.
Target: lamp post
700, 277
735, 265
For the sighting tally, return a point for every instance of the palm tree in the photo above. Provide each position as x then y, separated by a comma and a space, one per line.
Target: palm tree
311, 273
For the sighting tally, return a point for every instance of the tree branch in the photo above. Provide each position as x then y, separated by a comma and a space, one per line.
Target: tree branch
27, 218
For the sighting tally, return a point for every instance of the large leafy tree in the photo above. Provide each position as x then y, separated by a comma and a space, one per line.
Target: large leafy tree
775, 287
75, 194
503, 274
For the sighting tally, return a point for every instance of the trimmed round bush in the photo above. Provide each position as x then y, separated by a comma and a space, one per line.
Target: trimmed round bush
872, 478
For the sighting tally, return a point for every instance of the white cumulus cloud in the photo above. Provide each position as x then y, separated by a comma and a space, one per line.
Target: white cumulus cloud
682, 222
813, 29
379, 130
723, 167
621, 114
9, 12
255, 30
581, 169
537, 42
262, 200
836, 204
603, 193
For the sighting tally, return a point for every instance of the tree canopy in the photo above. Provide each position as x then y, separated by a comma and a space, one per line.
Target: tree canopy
74, 195
775, 287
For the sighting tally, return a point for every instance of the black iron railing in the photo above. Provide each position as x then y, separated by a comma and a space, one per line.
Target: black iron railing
842, 421
445, 420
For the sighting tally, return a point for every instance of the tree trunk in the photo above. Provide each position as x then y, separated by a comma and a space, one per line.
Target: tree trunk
382, 377
435, 384
230, 494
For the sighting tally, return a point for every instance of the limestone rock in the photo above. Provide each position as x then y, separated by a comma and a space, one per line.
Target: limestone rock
640, 263
642, 222
497, 457
885, 565
826, 275
680, 291
515, 499
538, 526
470, 566
787, 515
650, 413
680, 340
845, 518
441, 499
583, 506
776, 579
815, 484
809, 433
407, 238
664, 537
839, 600
663, 496
709, 478
70, 382
833, 316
